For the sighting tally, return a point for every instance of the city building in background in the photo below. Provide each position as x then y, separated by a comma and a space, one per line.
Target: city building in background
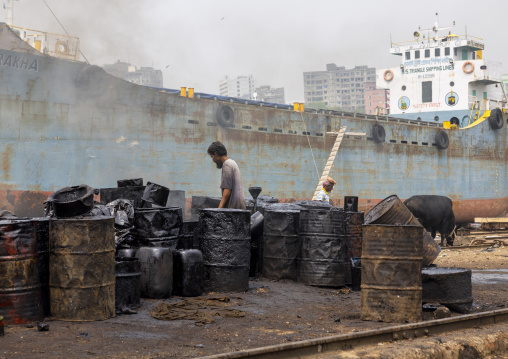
268, 94
338, 87
146, 76
241, 87
376, 100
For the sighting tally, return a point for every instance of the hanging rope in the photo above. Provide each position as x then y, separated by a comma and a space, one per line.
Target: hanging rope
64, 29
310, 146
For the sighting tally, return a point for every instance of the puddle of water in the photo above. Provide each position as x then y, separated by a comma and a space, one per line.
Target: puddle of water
490, 276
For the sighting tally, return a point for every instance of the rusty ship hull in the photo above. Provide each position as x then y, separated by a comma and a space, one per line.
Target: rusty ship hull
66, 123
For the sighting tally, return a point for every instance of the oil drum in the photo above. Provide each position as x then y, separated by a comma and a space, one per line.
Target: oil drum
188, 273
42, 240
225, 244
450, 287
323, 248
128, 283
200, 202
353, 234
82, 268
156, 271
281, 243
20, 287
158, 222
188, 238
391, 210
391, 273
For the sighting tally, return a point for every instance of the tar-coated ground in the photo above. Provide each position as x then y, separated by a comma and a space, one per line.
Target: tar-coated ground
276, 312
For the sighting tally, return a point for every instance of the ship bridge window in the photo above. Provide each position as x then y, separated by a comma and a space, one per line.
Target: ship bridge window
408, 55
437, 52
426, 91
464, 54
455, 51
417, 54
473, 54
427, 53
447, 51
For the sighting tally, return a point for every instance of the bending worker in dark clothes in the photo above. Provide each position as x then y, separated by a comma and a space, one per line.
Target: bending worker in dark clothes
231, 181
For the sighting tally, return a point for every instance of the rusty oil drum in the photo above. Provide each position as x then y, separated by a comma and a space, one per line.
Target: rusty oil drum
225, 245
82, 268
323, 252
391, 273
20, 287
391, 210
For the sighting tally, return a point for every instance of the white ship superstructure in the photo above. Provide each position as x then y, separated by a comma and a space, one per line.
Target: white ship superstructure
442, 78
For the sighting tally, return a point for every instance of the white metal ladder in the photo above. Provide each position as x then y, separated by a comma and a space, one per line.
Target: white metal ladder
331, 158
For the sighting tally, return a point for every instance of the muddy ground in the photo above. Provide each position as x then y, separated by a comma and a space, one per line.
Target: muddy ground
275, 313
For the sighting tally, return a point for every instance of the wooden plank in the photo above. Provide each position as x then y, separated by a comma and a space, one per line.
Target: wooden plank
491, 220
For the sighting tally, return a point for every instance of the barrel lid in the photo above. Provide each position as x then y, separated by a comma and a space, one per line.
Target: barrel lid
380, 209
435, 271
233, 210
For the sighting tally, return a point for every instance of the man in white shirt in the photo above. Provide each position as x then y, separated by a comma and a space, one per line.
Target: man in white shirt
231, 180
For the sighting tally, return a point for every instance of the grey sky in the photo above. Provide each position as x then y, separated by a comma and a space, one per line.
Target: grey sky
276, 41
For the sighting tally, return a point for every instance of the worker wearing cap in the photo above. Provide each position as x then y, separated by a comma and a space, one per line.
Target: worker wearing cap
324, 195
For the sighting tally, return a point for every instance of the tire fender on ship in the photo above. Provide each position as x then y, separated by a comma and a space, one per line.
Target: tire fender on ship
225, 116
378, 133
388, 75
442, 140
468, 67
496, 119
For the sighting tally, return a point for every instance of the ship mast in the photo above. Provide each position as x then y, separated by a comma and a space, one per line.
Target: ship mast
10, 12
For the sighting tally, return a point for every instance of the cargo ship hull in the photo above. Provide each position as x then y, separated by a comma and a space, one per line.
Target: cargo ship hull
66, 123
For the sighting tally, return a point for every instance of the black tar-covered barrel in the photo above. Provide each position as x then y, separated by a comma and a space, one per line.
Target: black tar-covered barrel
353, 233
128, 283
156, 271
448, 286
82, 268
200, 202
391, 273
188, 273
281, 243
323, 254
158, 222
225, 244
42, 239
188, 237
20, 288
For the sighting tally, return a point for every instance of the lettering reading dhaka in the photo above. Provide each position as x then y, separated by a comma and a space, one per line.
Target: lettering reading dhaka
428, 69
19, 62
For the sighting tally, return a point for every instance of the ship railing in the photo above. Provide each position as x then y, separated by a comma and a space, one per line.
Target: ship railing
485, 104
437, 38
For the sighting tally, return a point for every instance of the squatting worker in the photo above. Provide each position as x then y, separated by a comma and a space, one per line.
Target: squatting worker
324, 195
231, 181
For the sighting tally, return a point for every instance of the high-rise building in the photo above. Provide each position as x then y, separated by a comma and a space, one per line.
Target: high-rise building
146, 76
338, 87
376, 100
241, 87
268, 94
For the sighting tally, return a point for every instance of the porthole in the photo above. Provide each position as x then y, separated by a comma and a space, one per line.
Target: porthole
403, 87
436, 118
452, 83
418, 118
